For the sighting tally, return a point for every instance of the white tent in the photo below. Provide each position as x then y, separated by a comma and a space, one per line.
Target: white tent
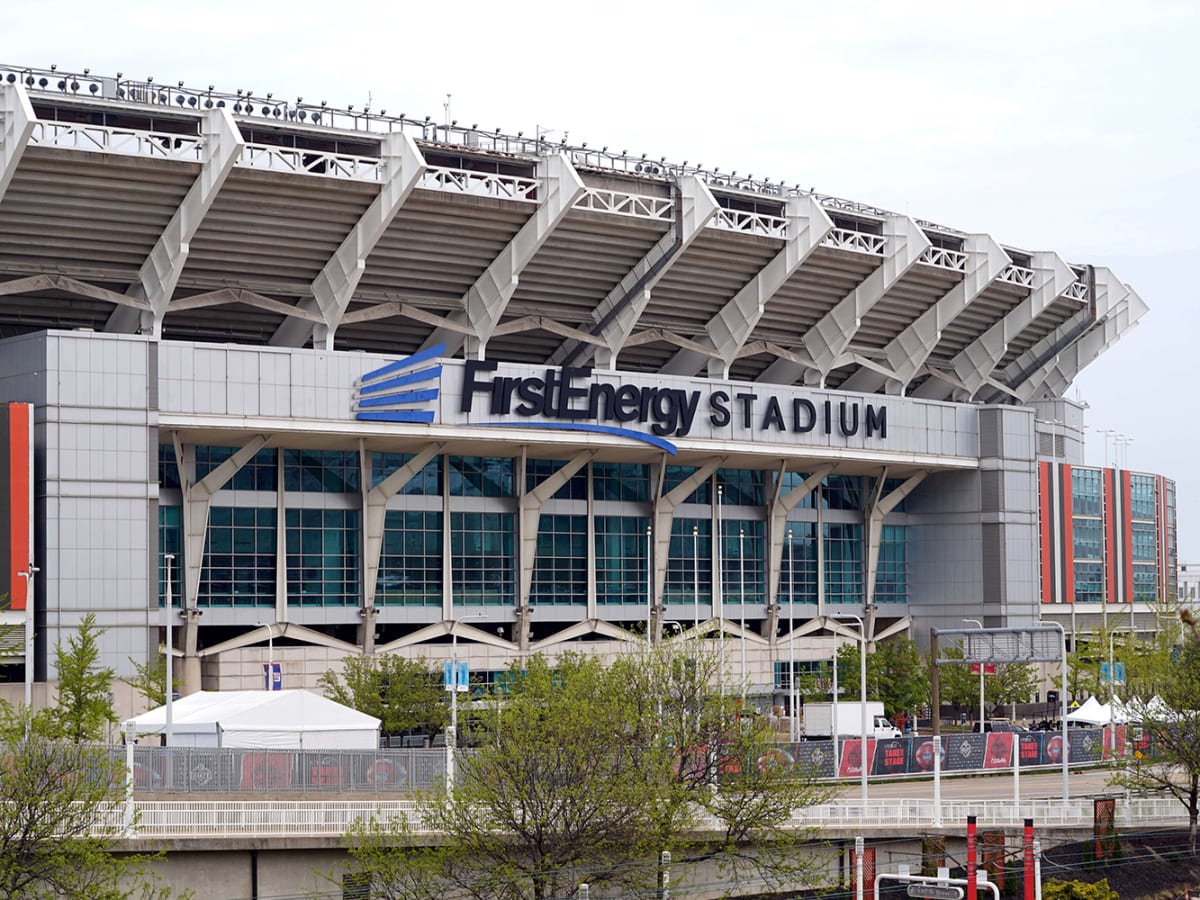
262, 719
1093, 712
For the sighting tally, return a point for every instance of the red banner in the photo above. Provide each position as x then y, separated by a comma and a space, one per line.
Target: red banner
999, 749
16, 500
852, 757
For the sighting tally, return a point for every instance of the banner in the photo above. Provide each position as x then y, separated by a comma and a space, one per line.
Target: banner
16, 501
852, 757
998, 750
891, 757
273, 676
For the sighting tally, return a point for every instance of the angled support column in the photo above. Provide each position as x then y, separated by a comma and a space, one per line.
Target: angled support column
777, 529
728, 331
17, 120
618, 313
197, 500
877, 510
1055, 376
664, 515
907, 352
160, 272
375, 500
486, 300
332, 290
530, 506
975, 363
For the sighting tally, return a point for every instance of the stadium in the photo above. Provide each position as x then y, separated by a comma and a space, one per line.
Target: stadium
329, 382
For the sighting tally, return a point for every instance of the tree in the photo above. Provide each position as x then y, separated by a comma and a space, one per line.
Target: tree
404, 694
1173, 764
586, 773
896, 675
56, 827
84, 707
1057, 889
1013, 683
150, 680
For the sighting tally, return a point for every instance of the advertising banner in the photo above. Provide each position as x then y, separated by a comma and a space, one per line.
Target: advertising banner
852, 757
891, 757
998, 750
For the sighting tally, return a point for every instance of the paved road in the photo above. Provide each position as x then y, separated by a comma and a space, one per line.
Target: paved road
1088, 782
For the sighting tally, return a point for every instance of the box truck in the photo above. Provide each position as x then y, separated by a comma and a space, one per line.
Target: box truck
818, 720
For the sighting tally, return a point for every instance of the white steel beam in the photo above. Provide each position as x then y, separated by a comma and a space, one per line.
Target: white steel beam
17, 120
403, 165
907, 352
827, 340
160, 272
375, 500
972, 366
777, 525
617, 316
1123, 308
729, 330
877, 510
485, 301
530, 505
664, 515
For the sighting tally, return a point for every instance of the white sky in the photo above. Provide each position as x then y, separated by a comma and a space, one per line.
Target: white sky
1067, 126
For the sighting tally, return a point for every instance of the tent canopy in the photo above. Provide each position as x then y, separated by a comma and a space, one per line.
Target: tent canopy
1093, 712
263, 719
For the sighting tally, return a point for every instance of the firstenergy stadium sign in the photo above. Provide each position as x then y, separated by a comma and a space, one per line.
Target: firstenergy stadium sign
572, 397
479, 392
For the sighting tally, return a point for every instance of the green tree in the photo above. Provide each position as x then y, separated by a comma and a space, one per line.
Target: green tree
1173, 764
150, 680
84, 707
404, 694
1012, 683
57, 830
587, 772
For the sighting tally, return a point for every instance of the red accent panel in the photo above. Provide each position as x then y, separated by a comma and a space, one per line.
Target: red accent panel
19, 514
1127, 535
1110, 537
1068, 543
1047, 532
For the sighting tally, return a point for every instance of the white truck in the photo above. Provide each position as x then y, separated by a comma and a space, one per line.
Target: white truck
818, 720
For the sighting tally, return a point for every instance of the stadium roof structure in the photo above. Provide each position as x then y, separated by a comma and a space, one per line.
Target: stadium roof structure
130, 206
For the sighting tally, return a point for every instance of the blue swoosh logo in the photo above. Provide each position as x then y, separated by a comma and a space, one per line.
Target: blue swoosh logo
651, 439
401, 391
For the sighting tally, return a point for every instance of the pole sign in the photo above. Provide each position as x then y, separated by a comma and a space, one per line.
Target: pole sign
456, 676
935, 891
273, 676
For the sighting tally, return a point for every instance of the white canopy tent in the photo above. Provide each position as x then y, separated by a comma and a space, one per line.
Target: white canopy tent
1093, 712
276, 720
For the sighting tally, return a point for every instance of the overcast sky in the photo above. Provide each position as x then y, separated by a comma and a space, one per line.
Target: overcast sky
1052, 126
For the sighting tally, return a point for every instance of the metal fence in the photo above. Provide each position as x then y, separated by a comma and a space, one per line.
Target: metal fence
192, 770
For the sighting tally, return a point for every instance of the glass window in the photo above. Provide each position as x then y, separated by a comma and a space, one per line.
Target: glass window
621, 559
538, 470
892, 484
170, 540
239, 557
842, 492
793, 480
257, 475
481, 546
689, 562
891, 575
168, 472
560, 568
1145, 583
321, 471
742, 487
1141, 496
1145, 541
1088, 538
628, 482
426, 483
802, 550
676, 475
742, 566
322, 556
410, 562
1087, 498
804, 667
843, 563
1089, 582
480, 476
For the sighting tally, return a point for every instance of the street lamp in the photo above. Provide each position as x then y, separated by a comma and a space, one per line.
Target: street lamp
649, 585
270, 655
862, 694
169, 559
791, 636
29, 574
979, 624
452, 732
742, 601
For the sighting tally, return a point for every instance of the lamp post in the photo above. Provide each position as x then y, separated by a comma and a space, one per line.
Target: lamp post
791, 636
864, 763
979, 624
452, 731
1066, 786
742, 602
270, 655
719, 586
649, 586
695, 582
169, 559
29, 574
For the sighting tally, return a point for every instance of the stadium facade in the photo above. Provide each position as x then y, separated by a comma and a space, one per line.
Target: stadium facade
341, 383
